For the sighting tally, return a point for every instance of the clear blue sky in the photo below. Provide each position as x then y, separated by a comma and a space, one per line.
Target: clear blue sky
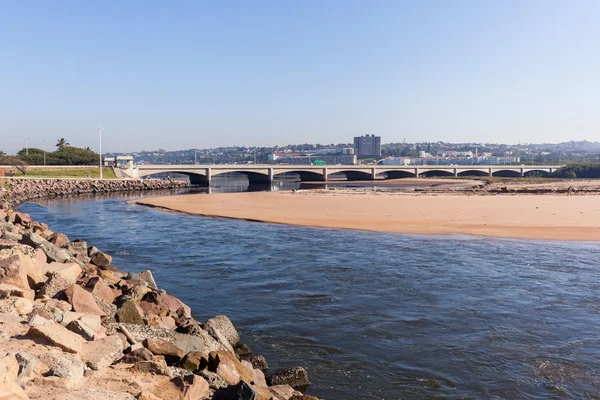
182, 74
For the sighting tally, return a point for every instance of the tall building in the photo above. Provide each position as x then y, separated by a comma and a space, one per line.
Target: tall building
368, 146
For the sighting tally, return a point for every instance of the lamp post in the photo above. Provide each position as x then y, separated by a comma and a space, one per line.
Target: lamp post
27, 145
44, 144
195, 151
100, 140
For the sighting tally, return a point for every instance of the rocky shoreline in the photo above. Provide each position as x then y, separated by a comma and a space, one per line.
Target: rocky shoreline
18, 190
74, 326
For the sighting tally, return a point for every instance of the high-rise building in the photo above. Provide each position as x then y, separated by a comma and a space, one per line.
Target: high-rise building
368, 146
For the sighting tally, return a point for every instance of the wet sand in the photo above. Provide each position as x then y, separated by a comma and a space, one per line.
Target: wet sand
552, 217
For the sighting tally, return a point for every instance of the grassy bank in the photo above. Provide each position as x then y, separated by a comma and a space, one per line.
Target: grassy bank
33, 172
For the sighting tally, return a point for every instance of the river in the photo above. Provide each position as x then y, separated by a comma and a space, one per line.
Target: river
370, 315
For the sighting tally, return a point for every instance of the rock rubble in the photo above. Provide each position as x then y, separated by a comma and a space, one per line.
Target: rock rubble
74, 326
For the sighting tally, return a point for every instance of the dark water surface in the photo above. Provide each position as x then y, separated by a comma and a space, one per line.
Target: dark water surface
371, 316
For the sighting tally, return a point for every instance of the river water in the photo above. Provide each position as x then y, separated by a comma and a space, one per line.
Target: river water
371, 315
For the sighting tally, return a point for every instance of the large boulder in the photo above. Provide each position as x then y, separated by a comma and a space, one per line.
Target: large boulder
145, 276
11, 271
7, 290
54, 285
129, 313
53, 253
223, 325
169, 303
192, 387
228, 367
9, 371
58, 239
57, 335
187, 343
23, 219
169, 351
101, 259
99, 288
102, 352
296, 377
63, 366
83, 301
69, 271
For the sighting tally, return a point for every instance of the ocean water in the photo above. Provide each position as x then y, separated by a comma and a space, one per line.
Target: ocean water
371, 315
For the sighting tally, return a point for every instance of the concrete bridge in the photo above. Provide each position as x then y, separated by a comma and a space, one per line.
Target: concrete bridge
203, 174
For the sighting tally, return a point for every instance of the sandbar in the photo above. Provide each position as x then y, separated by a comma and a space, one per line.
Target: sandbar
547, 217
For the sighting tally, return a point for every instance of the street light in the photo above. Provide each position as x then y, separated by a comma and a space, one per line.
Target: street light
27, 145
100, 140
44, 144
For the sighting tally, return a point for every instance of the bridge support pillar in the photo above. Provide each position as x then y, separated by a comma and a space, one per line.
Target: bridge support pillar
416, 172
522, 171
455, 172
490, 173
325, 174
208, 176
271, 174
373, 173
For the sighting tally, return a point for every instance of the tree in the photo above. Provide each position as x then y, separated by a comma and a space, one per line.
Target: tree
88, 149
62, 143
15, 162
2, 154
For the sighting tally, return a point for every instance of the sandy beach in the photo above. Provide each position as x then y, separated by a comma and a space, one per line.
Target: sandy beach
551, 217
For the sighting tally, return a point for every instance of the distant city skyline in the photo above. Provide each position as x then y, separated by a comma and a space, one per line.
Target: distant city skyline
195, 74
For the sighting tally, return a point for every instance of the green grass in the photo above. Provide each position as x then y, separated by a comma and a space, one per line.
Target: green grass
36, 172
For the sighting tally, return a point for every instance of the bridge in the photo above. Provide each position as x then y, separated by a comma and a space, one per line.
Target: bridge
256, 173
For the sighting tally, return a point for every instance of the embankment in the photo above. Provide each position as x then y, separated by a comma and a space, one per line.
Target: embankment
74, 326
18, 190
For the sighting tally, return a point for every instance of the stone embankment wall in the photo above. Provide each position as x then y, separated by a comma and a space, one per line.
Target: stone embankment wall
74, 326
19, 190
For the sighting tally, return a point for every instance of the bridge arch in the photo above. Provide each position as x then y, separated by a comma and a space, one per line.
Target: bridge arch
253, 177
305, 176
537, 172
507, 173
195, 178
354, 175
395, 174
474, 172
437, 172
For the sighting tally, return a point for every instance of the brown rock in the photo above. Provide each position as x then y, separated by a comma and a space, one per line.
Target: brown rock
222, 324
102, 352
7, 290
58, 336
158, 367
129, 313
100, 289
101, 259
82, 301
53, 286
170, 303
158, 347
12, 273
192, 387
58, 239
23, 218
145, 395
194, 361
228, 367
282, 392
139, 354
258, 362
68, 271
9, 370
296, 377
79, 246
